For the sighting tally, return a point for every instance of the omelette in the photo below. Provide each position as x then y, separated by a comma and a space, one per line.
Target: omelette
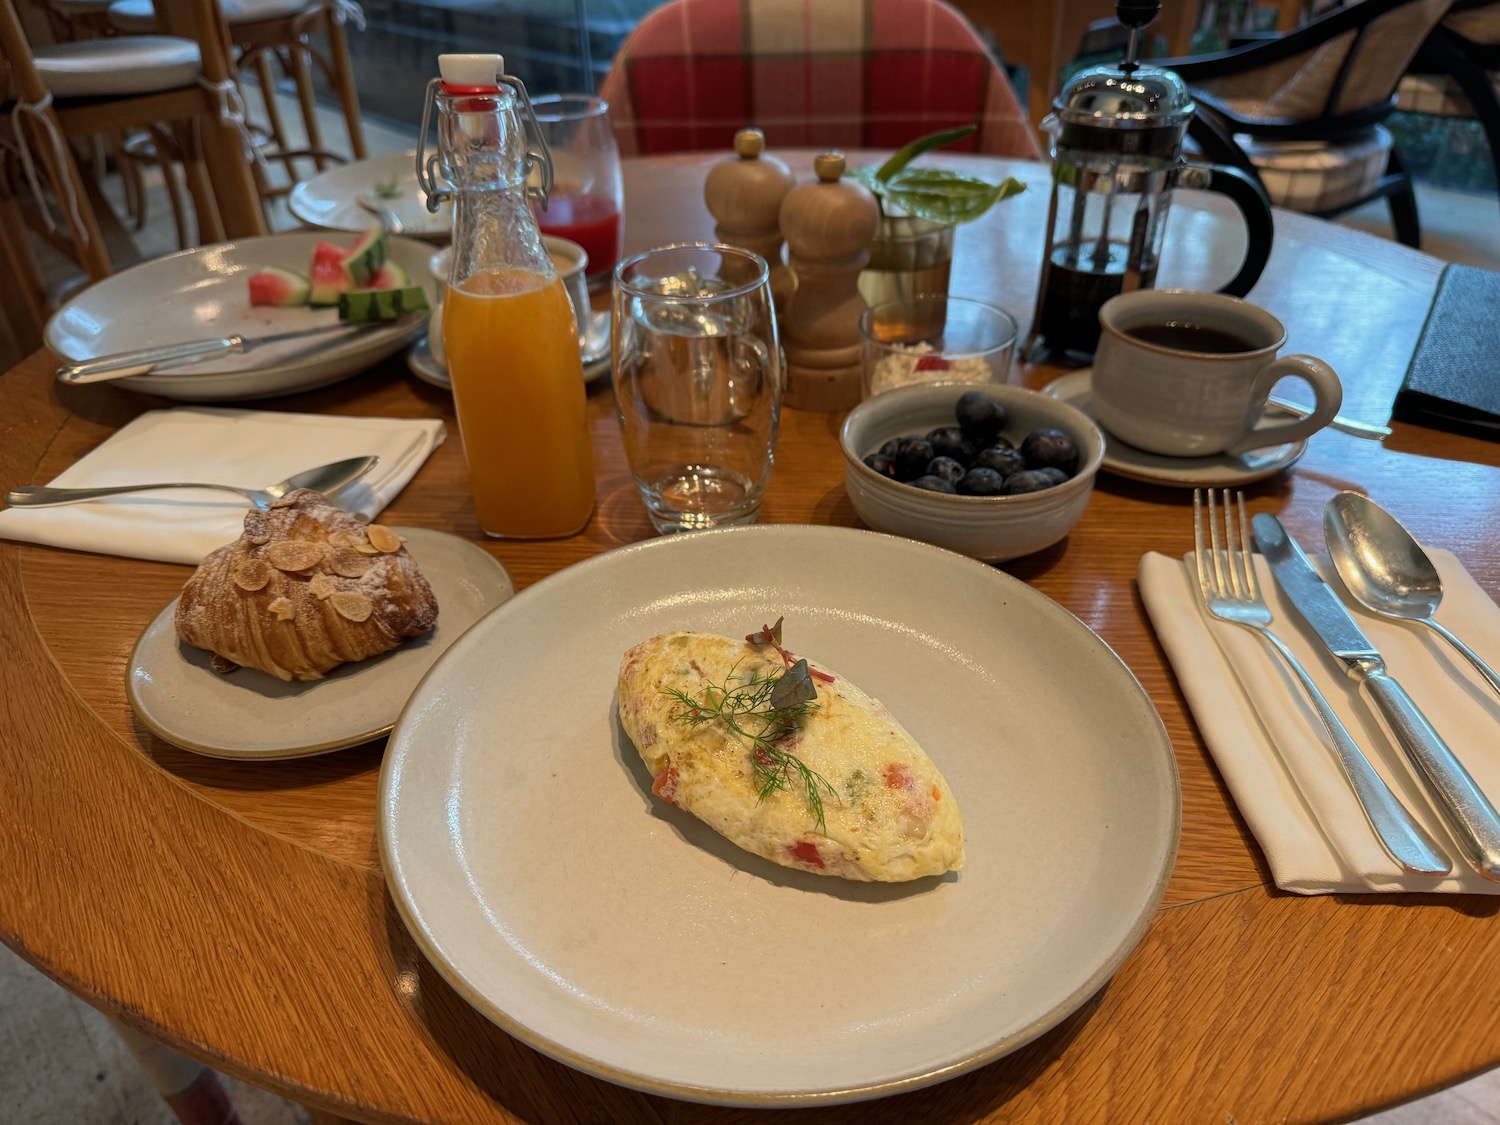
787, 759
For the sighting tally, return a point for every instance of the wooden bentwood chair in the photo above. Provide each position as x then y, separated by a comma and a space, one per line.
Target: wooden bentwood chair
79, 89
1303, 111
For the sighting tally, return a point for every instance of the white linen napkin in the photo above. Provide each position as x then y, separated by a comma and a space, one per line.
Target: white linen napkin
1272, 751
250, 448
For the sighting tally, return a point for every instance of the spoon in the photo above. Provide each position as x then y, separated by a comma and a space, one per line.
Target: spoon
324, 479
1386, 569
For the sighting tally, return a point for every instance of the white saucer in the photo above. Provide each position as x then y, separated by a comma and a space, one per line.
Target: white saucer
1220, 470
425, 366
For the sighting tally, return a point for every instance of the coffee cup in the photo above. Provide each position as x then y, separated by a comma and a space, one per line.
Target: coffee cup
1187, 374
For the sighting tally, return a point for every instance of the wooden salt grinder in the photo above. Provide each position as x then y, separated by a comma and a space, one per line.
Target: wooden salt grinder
829, 226
744, 196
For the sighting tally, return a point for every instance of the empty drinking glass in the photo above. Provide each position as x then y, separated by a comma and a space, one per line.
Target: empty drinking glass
698, 380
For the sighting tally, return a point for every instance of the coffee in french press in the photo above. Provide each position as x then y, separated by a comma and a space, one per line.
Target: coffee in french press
1116, 136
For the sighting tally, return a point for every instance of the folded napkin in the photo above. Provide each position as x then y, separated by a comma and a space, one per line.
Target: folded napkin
221, 446
1272, 751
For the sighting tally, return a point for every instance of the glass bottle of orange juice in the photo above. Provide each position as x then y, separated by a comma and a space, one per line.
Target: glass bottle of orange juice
508, 327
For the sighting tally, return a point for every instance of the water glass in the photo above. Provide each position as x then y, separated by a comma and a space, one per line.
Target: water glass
698, 378
588, 196
934, 339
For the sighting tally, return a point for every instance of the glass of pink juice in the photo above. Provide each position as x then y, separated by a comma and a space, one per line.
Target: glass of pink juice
588, 197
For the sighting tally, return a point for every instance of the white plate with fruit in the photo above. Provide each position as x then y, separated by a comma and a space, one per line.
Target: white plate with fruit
256, 287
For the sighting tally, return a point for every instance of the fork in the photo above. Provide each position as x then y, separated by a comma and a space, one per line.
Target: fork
1231, 592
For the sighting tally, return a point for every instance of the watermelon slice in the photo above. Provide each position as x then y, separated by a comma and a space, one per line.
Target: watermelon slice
388, 276
367, 255
279, 287
329, 278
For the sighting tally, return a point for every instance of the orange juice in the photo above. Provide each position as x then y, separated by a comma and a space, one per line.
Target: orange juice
512, 346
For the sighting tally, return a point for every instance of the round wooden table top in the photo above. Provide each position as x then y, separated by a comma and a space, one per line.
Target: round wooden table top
238, 911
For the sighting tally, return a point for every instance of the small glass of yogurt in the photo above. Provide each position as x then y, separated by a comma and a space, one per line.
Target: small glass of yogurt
934, 339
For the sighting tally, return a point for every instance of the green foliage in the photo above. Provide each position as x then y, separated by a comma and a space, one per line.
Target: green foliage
940, 195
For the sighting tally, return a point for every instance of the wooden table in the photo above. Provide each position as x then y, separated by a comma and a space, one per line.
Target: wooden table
238, 911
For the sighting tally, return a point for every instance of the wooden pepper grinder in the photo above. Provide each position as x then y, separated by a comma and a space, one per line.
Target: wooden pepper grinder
829, 226
744, 196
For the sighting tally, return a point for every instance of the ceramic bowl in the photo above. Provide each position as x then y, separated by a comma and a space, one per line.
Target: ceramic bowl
991, 528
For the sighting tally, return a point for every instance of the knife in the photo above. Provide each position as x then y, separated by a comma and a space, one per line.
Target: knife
121, 365
1463, 805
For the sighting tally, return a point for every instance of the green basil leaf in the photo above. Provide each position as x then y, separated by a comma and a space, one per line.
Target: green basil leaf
945, 196
865, 175
904, 156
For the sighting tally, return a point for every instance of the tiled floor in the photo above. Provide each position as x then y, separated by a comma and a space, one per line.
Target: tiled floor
61, 1064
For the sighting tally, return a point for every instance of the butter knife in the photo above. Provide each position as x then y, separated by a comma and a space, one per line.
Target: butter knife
1463, 805
121, 365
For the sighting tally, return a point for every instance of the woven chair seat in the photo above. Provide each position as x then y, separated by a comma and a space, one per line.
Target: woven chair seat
1313, 176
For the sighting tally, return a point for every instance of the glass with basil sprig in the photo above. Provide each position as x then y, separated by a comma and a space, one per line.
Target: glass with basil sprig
919, 209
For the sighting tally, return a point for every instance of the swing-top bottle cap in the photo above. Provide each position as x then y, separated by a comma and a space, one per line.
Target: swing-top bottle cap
471, 73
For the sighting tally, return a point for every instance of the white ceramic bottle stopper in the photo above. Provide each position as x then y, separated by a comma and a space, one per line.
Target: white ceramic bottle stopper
744, 195
828, 226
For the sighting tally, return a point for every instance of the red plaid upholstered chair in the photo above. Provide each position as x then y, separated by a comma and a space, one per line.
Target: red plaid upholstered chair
810, 74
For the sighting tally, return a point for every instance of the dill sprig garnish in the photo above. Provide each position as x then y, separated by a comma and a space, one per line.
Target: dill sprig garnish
750, 710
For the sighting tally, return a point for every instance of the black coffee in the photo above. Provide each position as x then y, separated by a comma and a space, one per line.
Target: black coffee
1184, 336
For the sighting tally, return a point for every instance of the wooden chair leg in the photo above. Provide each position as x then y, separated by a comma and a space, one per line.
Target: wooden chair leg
116, 244
302, 76
1403, 204
343, 80
25, 307
200, 182
166, 148
267, 79
236, 196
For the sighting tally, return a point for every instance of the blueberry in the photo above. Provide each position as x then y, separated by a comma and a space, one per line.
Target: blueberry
1028, 480
1003, 461
890, 447
949, 441
1057, 475
882, 463
912, 455
947, 468
933, 484
1052, 449
981, 482
980, 417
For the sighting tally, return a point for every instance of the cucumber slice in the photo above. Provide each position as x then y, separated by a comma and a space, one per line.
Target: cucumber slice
362, 306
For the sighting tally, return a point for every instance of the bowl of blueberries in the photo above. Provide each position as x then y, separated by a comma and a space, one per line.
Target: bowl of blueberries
992, 473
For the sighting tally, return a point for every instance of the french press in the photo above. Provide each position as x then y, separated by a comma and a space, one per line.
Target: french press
1116, 135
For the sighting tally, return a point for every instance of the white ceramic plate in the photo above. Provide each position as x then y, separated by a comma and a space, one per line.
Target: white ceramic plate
251, 715
1219, 471
200, 294
583, 915
332, 199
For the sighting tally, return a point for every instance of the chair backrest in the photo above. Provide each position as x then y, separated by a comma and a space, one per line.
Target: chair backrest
1352, 61
810, 74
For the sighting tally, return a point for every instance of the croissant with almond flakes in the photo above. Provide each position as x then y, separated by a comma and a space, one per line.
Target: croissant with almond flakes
305, 588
